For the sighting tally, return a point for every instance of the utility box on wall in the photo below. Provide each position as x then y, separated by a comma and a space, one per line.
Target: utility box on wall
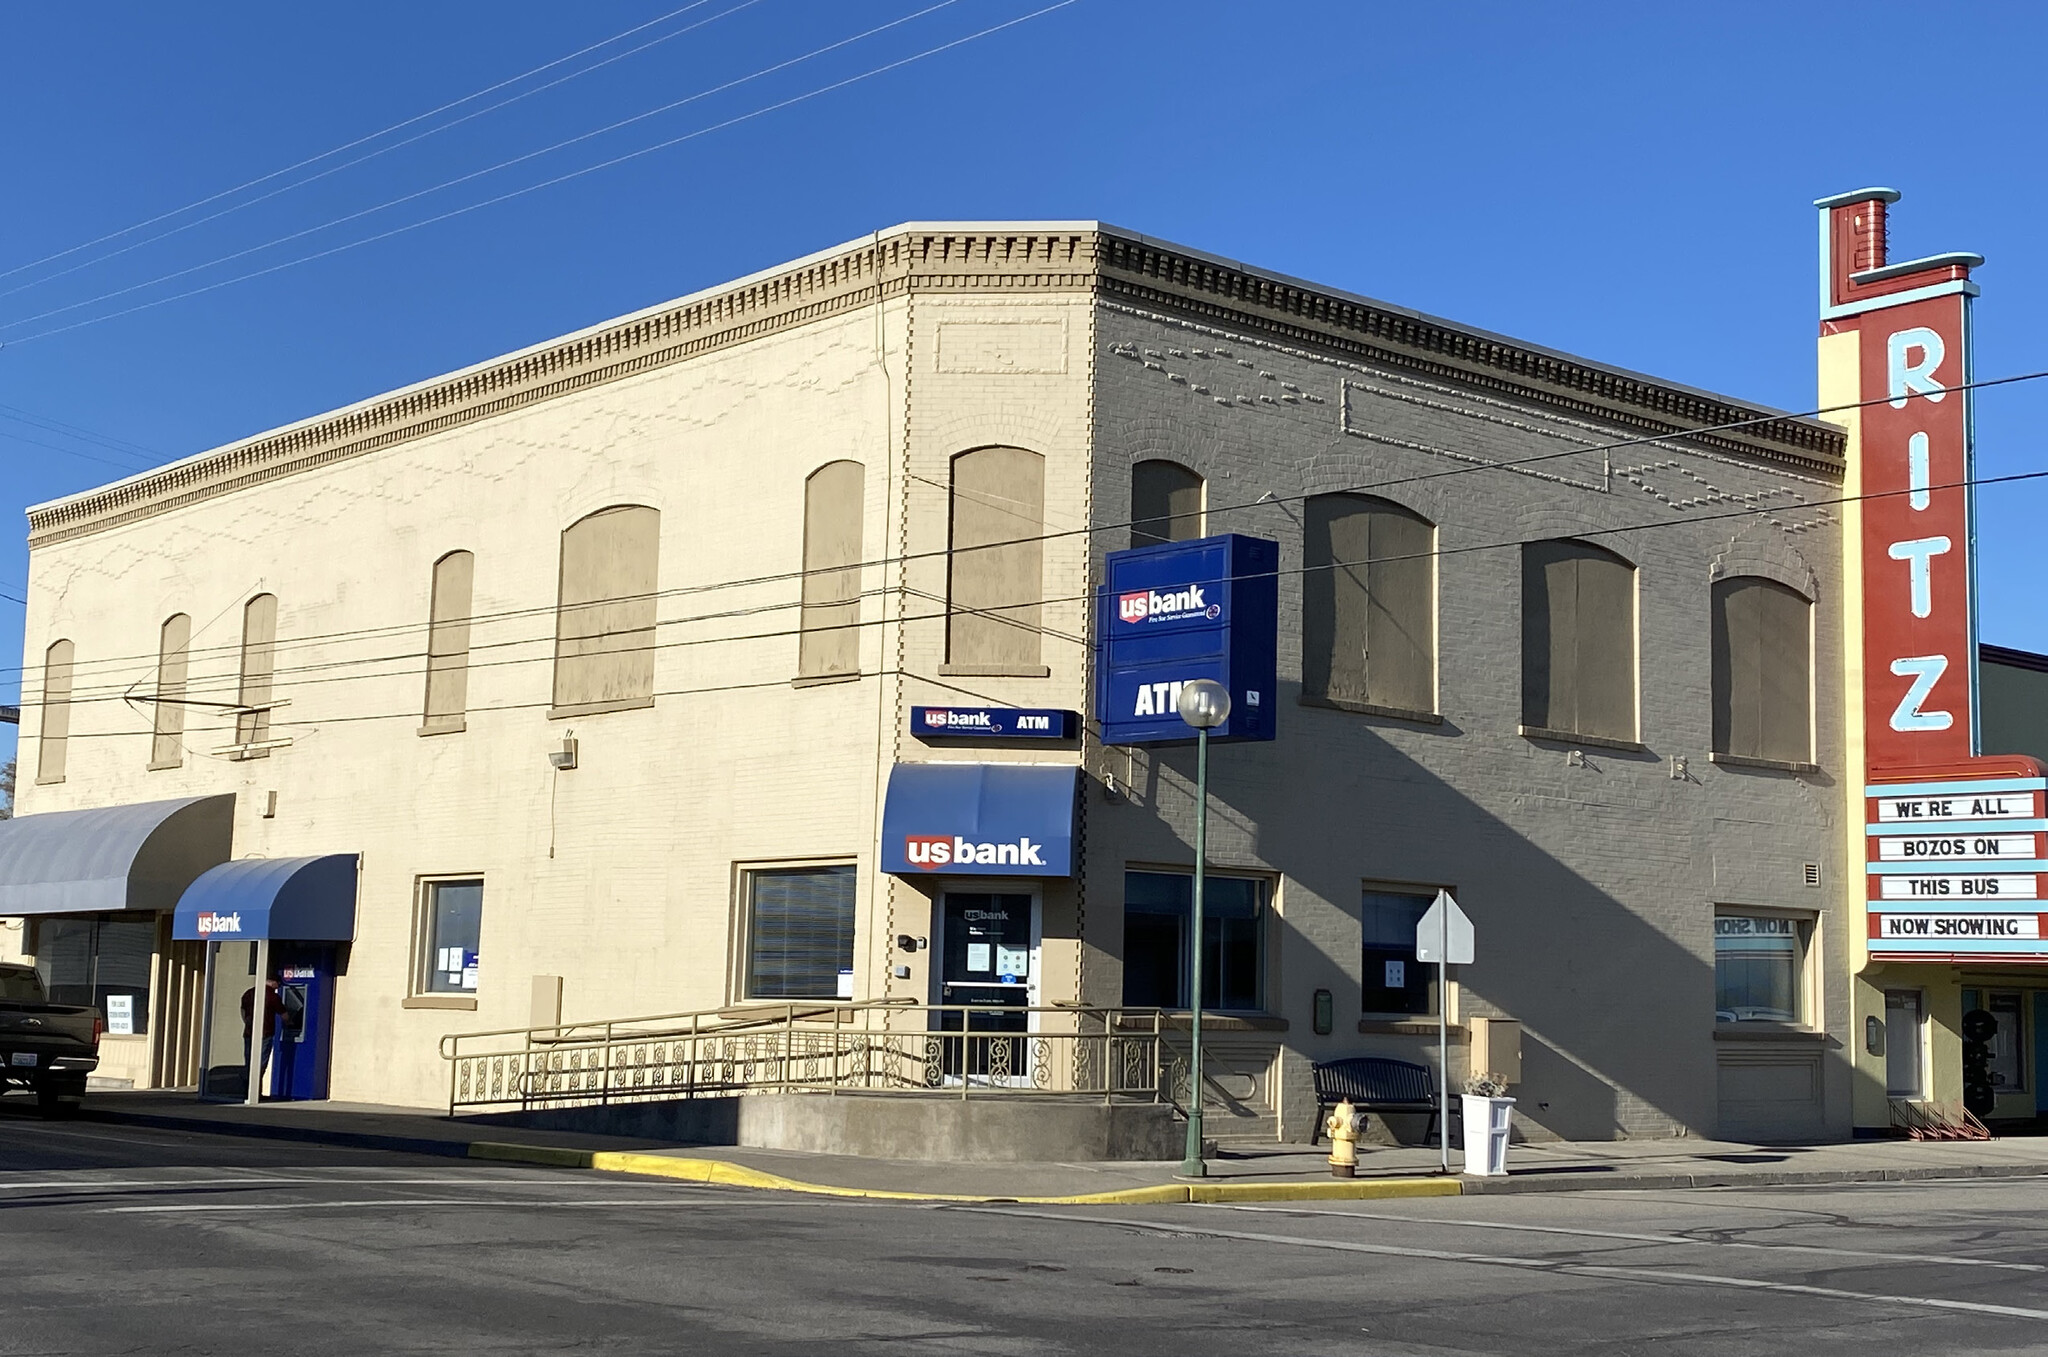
1180, 611
1497, 1048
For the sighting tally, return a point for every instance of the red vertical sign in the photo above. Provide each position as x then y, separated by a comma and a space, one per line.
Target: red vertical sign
1919, 626
1918, 636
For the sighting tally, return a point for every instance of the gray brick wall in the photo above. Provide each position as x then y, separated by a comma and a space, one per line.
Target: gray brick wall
1593, 885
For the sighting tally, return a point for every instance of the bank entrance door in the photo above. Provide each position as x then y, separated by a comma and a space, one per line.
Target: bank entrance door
988, 978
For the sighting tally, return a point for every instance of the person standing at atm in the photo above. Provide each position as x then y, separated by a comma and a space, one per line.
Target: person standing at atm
273, 1008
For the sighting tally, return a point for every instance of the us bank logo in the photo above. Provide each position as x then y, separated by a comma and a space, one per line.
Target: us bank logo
932, 851
1149, 605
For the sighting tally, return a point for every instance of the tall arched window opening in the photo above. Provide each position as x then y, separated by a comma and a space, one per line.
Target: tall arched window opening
1763, 670
53, 741
1368, 599
1166, 503
996, 567
829, 643
173, 647
448, 613
259, 663
604, 622
1578, 641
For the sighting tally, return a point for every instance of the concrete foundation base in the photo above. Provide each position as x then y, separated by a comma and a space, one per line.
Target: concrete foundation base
893, 1126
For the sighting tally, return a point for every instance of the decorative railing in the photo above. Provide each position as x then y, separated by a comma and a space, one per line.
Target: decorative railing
950, 1050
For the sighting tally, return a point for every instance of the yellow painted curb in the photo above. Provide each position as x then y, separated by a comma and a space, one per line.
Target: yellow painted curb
1330, 1190
553, 1155
725, 1173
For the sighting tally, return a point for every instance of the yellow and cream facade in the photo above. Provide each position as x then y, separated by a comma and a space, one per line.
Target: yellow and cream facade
589, 642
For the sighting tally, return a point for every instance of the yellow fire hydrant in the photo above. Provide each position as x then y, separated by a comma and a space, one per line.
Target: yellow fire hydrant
1343, 1128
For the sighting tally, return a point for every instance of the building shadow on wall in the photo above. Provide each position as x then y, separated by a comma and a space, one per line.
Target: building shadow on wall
1590, 886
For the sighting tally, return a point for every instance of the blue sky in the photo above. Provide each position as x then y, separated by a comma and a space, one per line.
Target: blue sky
1631, 183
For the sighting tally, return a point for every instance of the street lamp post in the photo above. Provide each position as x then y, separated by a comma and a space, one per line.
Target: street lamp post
1204, 704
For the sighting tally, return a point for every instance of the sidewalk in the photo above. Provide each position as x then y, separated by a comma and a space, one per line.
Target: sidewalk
1277, 1173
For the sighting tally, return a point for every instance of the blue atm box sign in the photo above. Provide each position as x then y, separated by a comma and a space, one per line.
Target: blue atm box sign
993, 723
1180, 611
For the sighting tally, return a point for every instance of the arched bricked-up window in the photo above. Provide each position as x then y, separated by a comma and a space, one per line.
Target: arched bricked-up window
604, 622
259, 662
173, 646
833, 503
1578, 641
55, 732
1166, 503
1368, 602
996, 569
1763, 670
448, 613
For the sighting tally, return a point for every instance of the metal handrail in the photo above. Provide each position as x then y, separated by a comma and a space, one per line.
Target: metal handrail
874, 1046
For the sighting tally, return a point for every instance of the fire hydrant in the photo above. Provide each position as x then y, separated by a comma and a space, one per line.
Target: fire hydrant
1343, 1128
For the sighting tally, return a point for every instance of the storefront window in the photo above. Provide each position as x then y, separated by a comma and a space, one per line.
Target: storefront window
1157, 907
1759, 968
800, 933
452, 914
101, 963
1392, 981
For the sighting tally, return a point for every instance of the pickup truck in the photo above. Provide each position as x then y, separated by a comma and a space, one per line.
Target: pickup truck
44, 1047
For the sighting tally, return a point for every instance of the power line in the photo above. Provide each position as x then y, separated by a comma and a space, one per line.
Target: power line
372, 155
492, 169
58, 426
129, 467
883, 562
365, 140
1435, 553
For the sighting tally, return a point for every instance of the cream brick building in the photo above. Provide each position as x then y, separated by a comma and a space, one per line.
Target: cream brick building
668, 556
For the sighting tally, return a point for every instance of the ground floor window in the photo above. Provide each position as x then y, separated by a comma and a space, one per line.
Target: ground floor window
1760, 967
451, 932
1157, 941
1391, 980
104, 963
799, 928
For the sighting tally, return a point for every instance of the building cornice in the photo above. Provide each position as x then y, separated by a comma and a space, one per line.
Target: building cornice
1151, 274
957, 258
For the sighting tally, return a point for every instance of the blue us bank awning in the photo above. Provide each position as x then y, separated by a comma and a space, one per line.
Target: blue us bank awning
979, 819
139, 856
298, 899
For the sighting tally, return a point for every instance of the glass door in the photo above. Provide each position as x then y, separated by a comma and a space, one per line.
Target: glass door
987, 975
1904, 1069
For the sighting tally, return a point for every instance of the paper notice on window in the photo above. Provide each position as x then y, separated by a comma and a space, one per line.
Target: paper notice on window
1397, 975
845, 984
977, 956
469, 977
1013, 960
120, 1015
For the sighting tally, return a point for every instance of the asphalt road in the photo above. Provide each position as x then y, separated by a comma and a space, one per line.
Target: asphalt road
115, 1239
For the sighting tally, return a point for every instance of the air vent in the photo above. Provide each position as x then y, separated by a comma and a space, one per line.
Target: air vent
1810, 873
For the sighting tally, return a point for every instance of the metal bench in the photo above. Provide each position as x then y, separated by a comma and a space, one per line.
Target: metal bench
1376, 1084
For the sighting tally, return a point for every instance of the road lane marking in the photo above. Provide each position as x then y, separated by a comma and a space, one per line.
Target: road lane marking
178, 1184
224, 1208
1593, 1270
1943, 1258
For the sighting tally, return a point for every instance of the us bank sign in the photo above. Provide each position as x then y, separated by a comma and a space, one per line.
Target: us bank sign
1179, 611
1953, 841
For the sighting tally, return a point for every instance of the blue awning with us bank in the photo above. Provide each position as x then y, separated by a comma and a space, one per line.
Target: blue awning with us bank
1170, 614
979, 819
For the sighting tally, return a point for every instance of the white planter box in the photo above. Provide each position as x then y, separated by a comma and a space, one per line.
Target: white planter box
1486, 1135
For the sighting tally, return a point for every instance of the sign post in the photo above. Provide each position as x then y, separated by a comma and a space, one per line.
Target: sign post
1444, 935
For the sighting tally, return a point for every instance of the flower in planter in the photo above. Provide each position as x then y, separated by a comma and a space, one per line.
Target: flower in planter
1486, 1086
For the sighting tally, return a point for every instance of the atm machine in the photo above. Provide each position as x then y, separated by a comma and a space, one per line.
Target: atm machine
302, 1028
